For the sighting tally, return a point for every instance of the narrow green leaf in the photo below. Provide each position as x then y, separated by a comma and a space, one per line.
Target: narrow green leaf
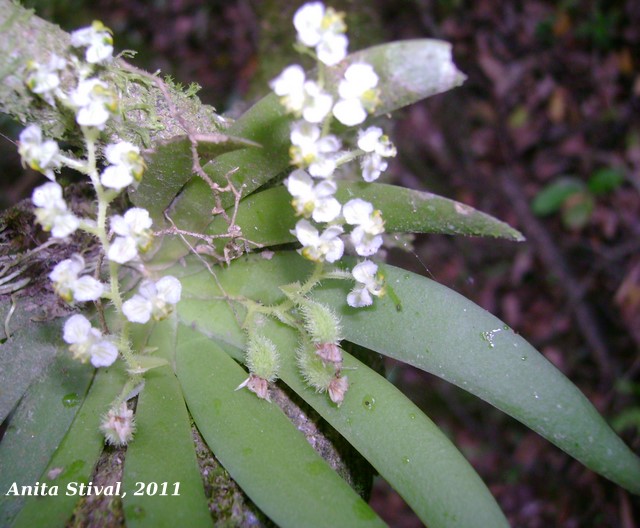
550, 199
25, 356
74, 461
268, 457
162, 456
421, 463
37, 427
442, 332
403, 444
437, 330
170, 166
267, 217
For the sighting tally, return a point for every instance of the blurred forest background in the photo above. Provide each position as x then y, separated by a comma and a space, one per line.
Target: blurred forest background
545, 134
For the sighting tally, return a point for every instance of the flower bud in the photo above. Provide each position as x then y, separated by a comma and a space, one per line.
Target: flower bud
262, 358
317, 373
118, 425
321, 322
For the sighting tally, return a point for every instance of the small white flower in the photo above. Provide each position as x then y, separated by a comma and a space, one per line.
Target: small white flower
127, 165
118, 425
301, 97
358, 94
154, 299
51, 211
94, 102
323, 29
70, 286
87, 342
369, 283
134, 234
327, 246
315, 201
369, 226
310, 150
43, 156
289, 85
377, 147
43, 79
317, 103
332, 48
308, 23
98, 41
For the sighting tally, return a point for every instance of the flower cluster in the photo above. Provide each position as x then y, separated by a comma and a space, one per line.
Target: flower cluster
123, 238
326, 224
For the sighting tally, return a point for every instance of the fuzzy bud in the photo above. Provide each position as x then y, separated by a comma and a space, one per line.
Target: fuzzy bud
321, 322
262, 358
317, 373
118, 425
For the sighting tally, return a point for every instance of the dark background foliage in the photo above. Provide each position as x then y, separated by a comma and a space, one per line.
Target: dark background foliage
552, 96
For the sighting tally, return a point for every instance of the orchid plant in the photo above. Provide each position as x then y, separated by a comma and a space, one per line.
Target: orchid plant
227, 263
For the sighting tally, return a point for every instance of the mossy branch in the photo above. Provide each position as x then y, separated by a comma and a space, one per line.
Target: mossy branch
147, 117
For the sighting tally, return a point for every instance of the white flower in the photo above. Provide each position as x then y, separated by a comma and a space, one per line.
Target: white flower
44, 79
301, 97
369, 283
358, 94
127, 165
369, 226
309, 149
327, 246
87, 342
51, 211
315, 201
118, 425
289, 85
155, 299
317, 103
69, 285
377, 147
43, 156
94, 103
134, 234
98, 41
323, 29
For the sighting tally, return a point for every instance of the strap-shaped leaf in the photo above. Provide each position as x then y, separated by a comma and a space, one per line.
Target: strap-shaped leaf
400, 441
397, 439
267, 217
170, 166
25, 356
442, 332
408, 70
268, 457
38, 426
162, 456
76, 456
438, 330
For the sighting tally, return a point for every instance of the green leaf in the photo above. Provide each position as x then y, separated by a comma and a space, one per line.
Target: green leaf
408, 71
76, 456
605, 180
170, 166
162, 453
442, 332
38, 425
550, 199
267, 217
25, 356
421, 463
259, 447
439, 331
